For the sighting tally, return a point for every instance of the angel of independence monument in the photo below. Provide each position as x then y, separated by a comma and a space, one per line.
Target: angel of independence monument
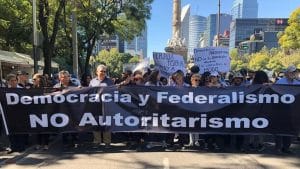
177, 45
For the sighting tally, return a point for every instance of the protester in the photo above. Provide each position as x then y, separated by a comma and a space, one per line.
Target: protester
65, 83
283, 143
39, 81
214, 80
101, 81
17, 141
85, 79
194, 138
193, 70
22, 77
237, 80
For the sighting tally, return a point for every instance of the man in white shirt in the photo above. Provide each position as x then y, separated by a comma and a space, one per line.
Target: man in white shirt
283, 142
101, 80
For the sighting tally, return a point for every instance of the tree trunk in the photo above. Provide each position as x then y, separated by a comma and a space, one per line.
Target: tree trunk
88, 54
49, 41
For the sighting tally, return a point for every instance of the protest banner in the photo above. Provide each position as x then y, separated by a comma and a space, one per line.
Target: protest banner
168, 63
255, 109
212, 59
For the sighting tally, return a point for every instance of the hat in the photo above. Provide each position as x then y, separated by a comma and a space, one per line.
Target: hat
214, 73
291, 68
22, 72
238, 75
127, 72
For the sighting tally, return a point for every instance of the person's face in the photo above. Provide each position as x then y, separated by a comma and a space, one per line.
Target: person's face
195, 81
101, 72
36, 81
64, 79
12, 82
291, 75
138, 80
237, 81
23, 77
213, 79
88, 79
179, 80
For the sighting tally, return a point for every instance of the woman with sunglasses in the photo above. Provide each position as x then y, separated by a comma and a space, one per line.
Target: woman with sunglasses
39, 81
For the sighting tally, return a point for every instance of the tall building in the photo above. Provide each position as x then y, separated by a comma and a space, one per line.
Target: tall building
244, 9
258, 41
107, 43
222, 40
197, 26
242, 29
138, 46
211, 28
185, 15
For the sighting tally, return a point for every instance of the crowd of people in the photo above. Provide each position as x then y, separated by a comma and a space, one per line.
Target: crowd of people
152, 77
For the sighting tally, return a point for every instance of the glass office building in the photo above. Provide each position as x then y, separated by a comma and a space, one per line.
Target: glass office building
211, 28
197, 26
244, 9
242, 29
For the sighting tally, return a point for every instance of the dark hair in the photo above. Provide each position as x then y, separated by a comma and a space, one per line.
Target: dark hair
260, 77
83, 79
195, 69
42, 80
153, 76
163, 80
204, 76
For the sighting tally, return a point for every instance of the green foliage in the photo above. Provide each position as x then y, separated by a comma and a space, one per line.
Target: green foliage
275, 64
238, 62
106, 17
113, 60
234, 54
290, 39
135, 59
15, 25
259, 61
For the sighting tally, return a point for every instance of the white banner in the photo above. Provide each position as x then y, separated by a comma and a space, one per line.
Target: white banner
212, 59
168, 63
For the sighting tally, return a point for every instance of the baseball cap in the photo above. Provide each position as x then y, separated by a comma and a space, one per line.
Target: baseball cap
291, 68
214, 73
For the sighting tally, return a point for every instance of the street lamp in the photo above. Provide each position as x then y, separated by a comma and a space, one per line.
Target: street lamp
219, 23
74, 39
34, 45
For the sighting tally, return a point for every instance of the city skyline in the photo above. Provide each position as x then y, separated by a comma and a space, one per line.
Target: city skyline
159, 26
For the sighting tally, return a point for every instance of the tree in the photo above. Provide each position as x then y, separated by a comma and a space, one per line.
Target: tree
50, 14
259, 61
99, 17
15, 26
113, 60
134, 59
290, 39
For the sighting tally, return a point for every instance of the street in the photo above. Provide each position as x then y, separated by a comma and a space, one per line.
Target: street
120, 157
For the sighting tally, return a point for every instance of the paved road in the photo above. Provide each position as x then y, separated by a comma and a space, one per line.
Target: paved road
119, 157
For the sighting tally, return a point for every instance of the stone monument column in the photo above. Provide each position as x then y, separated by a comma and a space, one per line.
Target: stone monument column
176, 44
176, 23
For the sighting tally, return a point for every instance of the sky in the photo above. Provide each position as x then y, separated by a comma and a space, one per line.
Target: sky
160, 24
